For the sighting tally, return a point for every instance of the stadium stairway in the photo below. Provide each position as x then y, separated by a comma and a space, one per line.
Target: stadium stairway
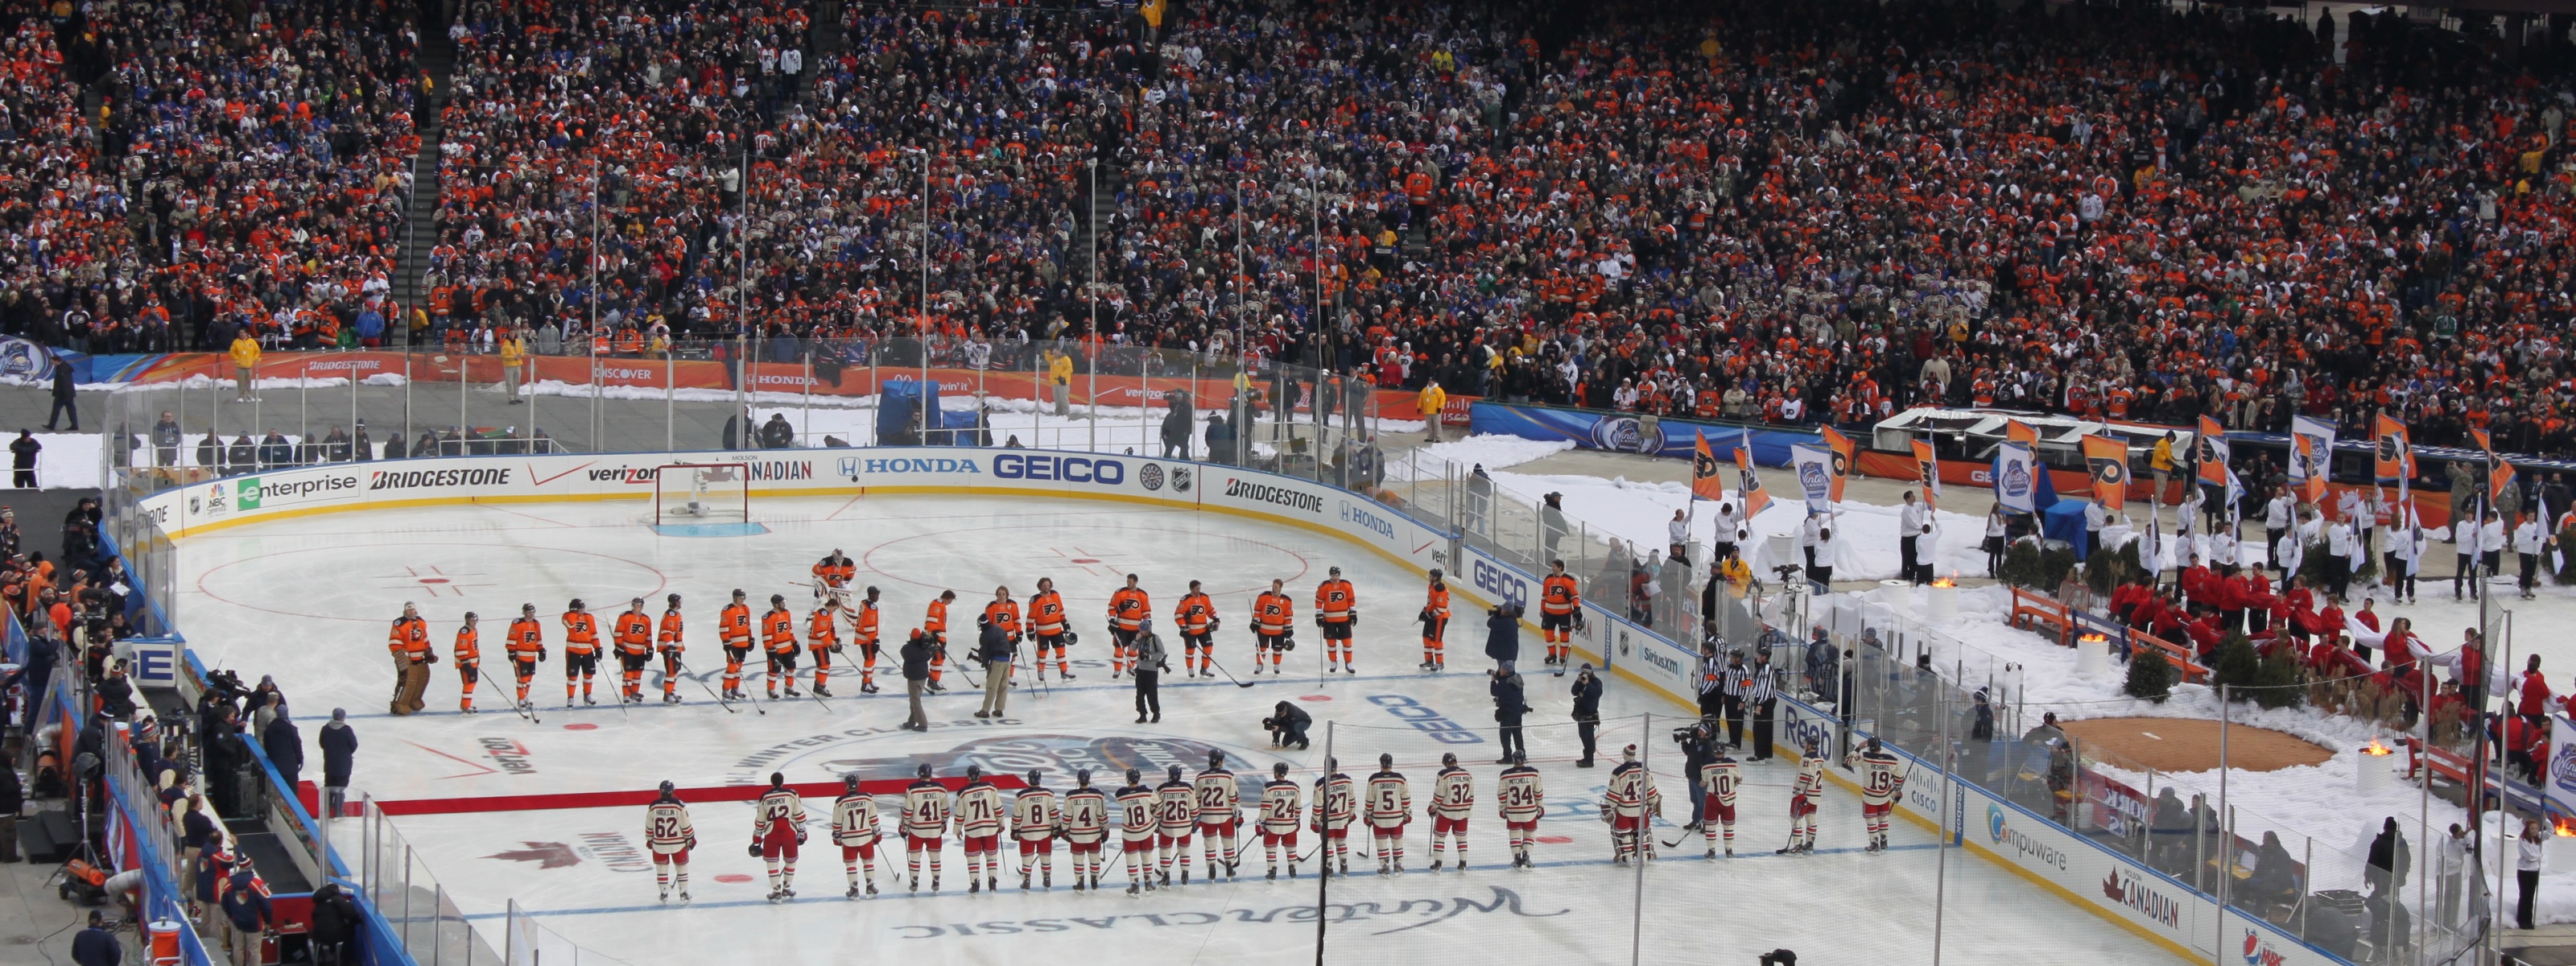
437, 60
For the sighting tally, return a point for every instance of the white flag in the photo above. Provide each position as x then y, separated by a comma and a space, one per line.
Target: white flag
2015, 481
1815, 466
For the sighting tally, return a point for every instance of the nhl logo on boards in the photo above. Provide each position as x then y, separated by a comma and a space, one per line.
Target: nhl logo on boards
1180, 479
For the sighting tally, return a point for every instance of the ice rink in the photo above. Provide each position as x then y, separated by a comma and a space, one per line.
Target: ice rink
308, 600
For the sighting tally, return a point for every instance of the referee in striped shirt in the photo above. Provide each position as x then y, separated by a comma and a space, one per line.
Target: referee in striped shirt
1762, 692
1738, 681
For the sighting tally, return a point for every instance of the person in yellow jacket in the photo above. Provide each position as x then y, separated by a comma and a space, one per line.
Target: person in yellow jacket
2161, 461
1433, 400
514, 355
245, 353
1060, 381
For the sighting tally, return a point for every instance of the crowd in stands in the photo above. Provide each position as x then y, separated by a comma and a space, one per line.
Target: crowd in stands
1776, 213
178, 172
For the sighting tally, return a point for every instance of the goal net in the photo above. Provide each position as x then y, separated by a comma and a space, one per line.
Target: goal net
684, 492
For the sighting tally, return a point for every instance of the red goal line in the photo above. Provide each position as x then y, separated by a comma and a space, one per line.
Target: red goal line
824, 791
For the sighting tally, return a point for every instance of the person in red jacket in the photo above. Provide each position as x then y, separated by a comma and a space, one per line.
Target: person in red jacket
2533, 700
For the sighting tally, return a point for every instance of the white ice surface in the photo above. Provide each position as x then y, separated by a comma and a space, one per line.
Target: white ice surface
307, 600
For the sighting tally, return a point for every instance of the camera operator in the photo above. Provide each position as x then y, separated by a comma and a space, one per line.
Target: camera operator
1587, 711
1510, 703
1287, 725
1503, 634
1699, 747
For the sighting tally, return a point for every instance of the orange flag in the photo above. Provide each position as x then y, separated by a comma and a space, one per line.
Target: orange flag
2109, 460
1929, 469
2392, 453
1750, 485
2500, 474
1705, 483
2212, 447
2020, 432
1844, 452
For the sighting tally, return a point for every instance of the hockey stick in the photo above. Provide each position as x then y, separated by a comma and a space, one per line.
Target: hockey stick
524, 713
711, 691
1229, 675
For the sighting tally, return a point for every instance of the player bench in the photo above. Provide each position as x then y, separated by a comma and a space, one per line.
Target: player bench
2182, 658
2442, 762
2031, 608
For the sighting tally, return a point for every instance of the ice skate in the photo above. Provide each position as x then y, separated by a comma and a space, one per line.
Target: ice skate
868, 688
1383, 868
974, 885
1185, 876
852, 894
684, 893
1462, 865
665, 894
1068, 675
872, 887
776, 896
915, 886
587, 699
1133, 889
1712, 853
1274, 874
1024, 882
793, 693
1436, 865
822, 692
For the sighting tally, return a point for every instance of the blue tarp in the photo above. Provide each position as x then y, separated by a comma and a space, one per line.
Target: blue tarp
2065, 521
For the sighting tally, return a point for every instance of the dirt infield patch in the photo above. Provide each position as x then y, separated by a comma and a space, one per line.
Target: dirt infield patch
2190, 744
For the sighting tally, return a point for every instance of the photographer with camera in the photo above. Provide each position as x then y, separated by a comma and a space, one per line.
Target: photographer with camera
1510, 703
1503, 633
1287, 725
1699, 746
1587, 711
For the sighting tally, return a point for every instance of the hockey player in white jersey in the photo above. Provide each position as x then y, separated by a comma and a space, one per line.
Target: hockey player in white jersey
1336, 807
1521, 798
1280, 806
1390, 809
1220, 812
669, 836
1719, 779
1035, 823
777, 828
1086, 829
1176, 812
1453, 796
1630, 805
1138, 817
925, 820
980, 813
1882, 782
854, 829
1806, 792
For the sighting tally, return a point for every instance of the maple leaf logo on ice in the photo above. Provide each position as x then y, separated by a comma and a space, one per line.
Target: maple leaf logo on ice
547, 855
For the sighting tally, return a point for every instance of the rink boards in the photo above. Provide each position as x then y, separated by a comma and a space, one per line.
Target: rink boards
2143, 901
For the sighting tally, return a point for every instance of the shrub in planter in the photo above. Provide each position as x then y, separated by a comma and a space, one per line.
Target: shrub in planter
2151, 677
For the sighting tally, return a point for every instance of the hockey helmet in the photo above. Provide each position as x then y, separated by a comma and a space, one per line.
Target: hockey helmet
1386, 762
1279, 770
1070, 638
1332, 765
1335, 571
469, 616
1174, 771
1435, 573
872, 592
777, 599
1082, 777
674, 599
1449, 760
1033, 778
668, 788
974, 772
1134, 776
737, 593
850, 781
527, 608
922, 771
777, 779
1216, 758
576, 604
1873, 742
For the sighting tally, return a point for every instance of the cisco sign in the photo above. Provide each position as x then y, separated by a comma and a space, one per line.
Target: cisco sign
1497, 582
1071, 469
